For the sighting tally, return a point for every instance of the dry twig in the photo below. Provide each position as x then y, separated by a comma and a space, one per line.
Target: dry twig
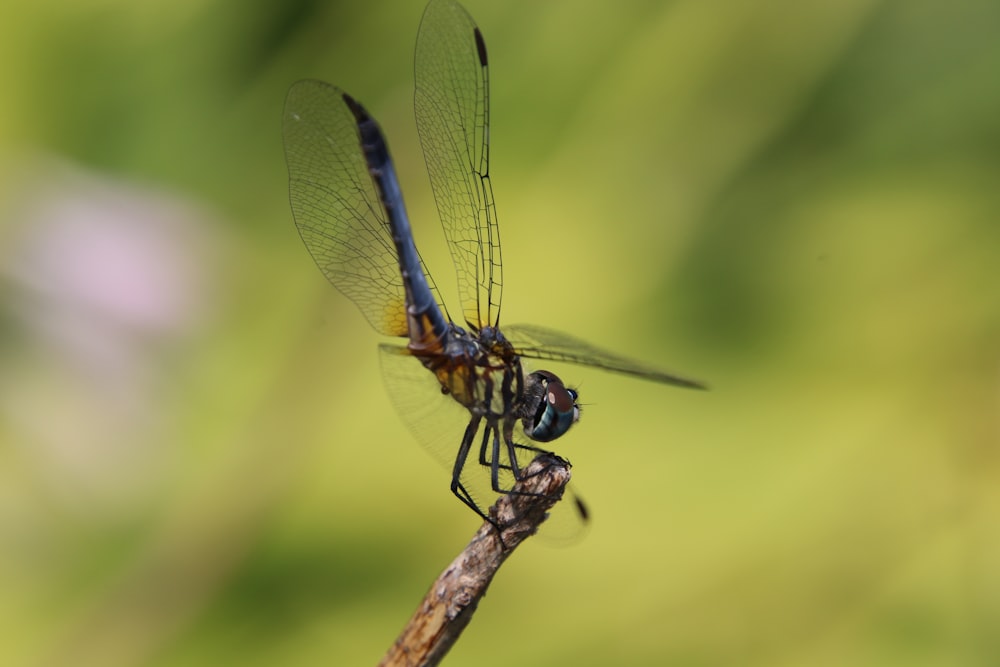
452, 599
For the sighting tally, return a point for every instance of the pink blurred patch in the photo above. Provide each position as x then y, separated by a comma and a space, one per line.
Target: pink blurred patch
105, 284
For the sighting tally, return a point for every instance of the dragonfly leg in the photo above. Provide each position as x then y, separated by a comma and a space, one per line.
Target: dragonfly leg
515, 448
495, 461
456, 474
514, 467
488, 459
495, 464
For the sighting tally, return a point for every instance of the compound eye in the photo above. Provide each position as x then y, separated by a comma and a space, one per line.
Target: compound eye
557, 408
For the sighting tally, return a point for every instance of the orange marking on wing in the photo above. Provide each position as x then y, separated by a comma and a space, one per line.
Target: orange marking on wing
394, 319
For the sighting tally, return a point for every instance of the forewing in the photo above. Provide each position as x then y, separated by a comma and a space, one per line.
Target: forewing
336, 207
452, 111
536, 342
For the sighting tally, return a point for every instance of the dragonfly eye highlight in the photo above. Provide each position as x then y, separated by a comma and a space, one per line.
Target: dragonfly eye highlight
549, 407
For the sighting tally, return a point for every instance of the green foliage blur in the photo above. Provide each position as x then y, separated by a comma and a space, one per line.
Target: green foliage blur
796, 202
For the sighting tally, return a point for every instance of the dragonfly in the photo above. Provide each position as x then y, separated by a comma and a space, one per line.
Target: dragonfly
348, 207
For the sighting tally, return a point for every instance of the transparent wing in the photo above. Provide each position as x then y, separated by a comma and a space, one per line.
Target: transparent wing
336, 207
536, 342
438, 422
453, 120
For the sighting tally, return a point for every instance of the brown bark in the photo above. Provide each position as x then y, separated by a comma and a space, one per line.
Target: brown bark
452, 599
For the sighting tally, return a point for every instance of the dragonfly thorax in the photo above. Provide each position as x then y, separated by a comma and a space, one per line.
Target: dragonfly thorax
481, 372
492, 339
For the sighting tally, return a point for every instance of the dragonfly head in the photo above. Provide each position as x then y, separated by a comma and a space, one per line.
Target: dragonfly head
550, 408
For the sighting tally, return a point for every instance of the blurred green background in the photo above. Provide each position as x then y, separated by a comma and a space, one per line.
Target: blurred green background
796, 202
